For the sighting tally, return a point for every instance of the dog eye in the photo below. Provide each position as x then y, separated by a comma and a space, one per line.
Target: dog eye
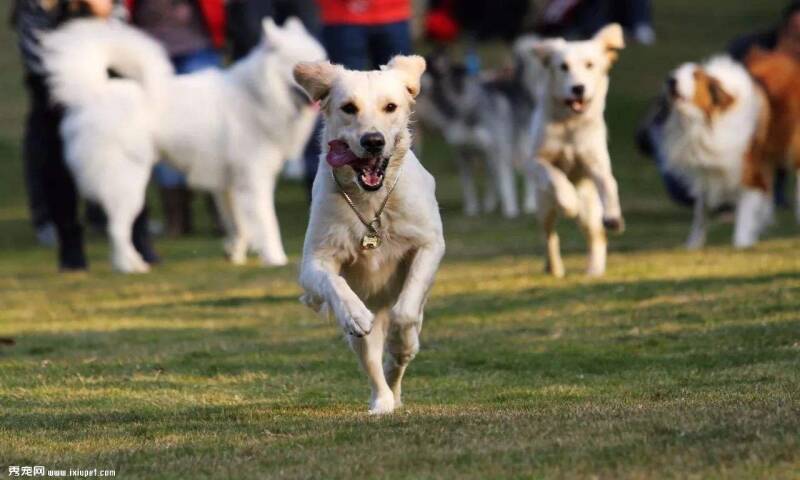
390, 107
565, 67
589, 65
350, 108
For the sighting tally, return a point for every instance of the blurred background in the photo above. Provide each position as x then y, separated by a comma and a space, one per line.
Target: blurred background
661, 35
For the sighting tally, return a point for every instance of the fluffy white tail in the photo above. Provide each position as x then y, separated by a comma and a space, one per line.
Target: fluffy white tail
79, 55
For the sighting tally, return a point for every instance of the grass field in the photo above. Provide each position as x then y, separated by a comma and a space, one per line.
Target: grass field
675, 365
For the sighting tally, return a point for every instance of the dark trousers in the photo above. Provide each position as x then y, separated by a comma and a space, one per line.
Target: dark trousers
50, 179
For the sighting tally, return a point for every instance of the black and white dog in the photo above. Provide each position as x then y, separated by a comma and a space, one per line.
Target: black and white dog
486, 118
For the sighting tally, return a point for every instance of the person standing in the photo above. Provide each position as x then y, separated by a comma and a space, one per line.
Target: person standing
52, 193
192, 32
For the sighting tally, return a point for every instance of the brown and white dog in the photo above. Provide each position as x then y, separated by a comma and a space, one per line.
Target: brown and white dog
569, 143
779, 75
715, 126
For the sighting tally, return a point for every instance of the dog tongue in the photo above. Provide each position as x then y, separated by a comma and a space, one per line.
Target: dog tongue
339, 154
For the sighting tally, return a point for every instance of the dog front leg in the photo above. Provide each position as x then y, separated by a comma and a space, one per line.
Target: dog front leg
600, 170
407, 310
697, 234
406, 314
323, 285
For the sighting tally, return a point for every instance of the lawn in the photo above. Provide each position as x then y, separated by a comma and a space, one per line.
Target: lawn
673, 365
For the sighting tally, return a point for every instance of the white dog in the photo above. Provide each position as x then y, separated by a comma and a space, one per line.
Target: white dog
569, 145
716, 113
374, 238
229, 131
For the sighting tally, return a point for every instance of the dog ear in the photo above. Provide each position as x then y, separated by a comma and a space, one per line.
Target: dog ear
544, 49
272, 32
411, 69
294, 24
613, 40
316, 78
719, 96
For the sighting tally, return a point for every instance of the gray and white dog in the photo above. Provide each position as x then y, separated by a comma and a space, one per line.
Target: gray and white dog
485, 118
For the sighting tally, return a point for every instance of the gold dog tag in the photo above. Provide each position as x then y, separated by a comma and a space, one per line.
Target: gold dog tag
370, 241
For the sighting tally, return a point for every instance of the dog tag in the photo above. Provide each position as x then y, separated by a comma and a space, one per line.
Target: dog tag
370, 241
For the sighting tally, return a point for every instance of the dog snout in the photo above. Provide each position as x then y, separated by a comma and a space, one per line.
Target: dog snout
373, 142
578, 90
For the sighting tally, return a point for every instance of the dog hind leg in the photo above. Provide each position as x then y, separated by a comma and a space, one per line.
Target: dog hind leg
466, 173
547, 214
590, 219
369, 350
122, 205
402, 347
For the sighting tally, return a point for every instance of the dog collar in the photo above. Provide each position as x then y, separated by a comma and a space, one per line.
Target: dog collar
372, 238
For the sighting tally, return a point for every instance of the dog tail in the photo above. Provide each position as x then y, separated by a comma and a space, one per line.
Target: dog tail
80, 56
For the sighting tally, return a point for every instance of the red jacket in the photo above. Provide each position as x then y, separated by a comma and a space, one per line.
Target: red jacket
213, 12
364, 12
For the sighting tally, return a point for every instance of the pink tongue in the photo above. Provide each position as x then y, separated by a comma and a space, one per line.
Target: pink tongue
339, 154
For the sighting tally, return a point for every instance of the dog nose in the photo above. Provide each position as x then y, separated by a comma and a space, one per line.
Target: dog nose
672, 85
373, 142
578, 90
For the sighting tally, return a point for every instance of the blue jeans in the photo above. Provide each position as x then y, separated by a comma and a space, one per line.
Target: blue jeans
165, 175
366, 47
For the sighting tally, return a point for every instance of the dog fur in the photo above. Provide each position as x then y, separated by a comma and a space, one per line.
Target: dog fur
716, 119
779, 75
228, 131
486, 119
377, 296
569, 145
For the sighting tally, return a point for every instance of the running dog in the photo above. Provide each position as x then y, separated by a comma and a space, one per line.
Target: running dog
571, 160
374, 238
485, 118
229, 131
717, 120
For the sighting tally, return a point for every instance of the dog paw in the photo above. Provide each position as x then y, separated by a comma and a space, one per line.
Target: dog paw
274, 260
382, 405
614, 224
357, 321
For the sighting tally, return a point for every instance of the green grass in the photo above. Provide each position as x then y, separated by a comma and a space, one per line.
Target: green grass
675, 364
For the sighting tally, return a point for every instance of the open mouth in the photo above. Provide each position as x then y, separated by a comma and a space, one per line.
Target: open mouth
370, 171
577, 105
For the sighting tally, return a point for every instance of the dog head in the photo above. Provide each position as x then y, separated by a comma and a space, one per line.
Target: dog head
291, 43
578, 71
697, 93
366, 114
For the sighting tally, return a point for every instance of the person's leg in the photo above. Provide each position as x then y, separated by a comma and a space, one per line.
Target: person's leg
33, 164
59, 190
386, 41
347, 45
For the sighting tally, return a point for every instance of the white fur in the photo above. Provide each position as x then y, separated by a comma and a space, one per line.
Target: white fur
571, 159
228, 131
377, 296
710, 153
